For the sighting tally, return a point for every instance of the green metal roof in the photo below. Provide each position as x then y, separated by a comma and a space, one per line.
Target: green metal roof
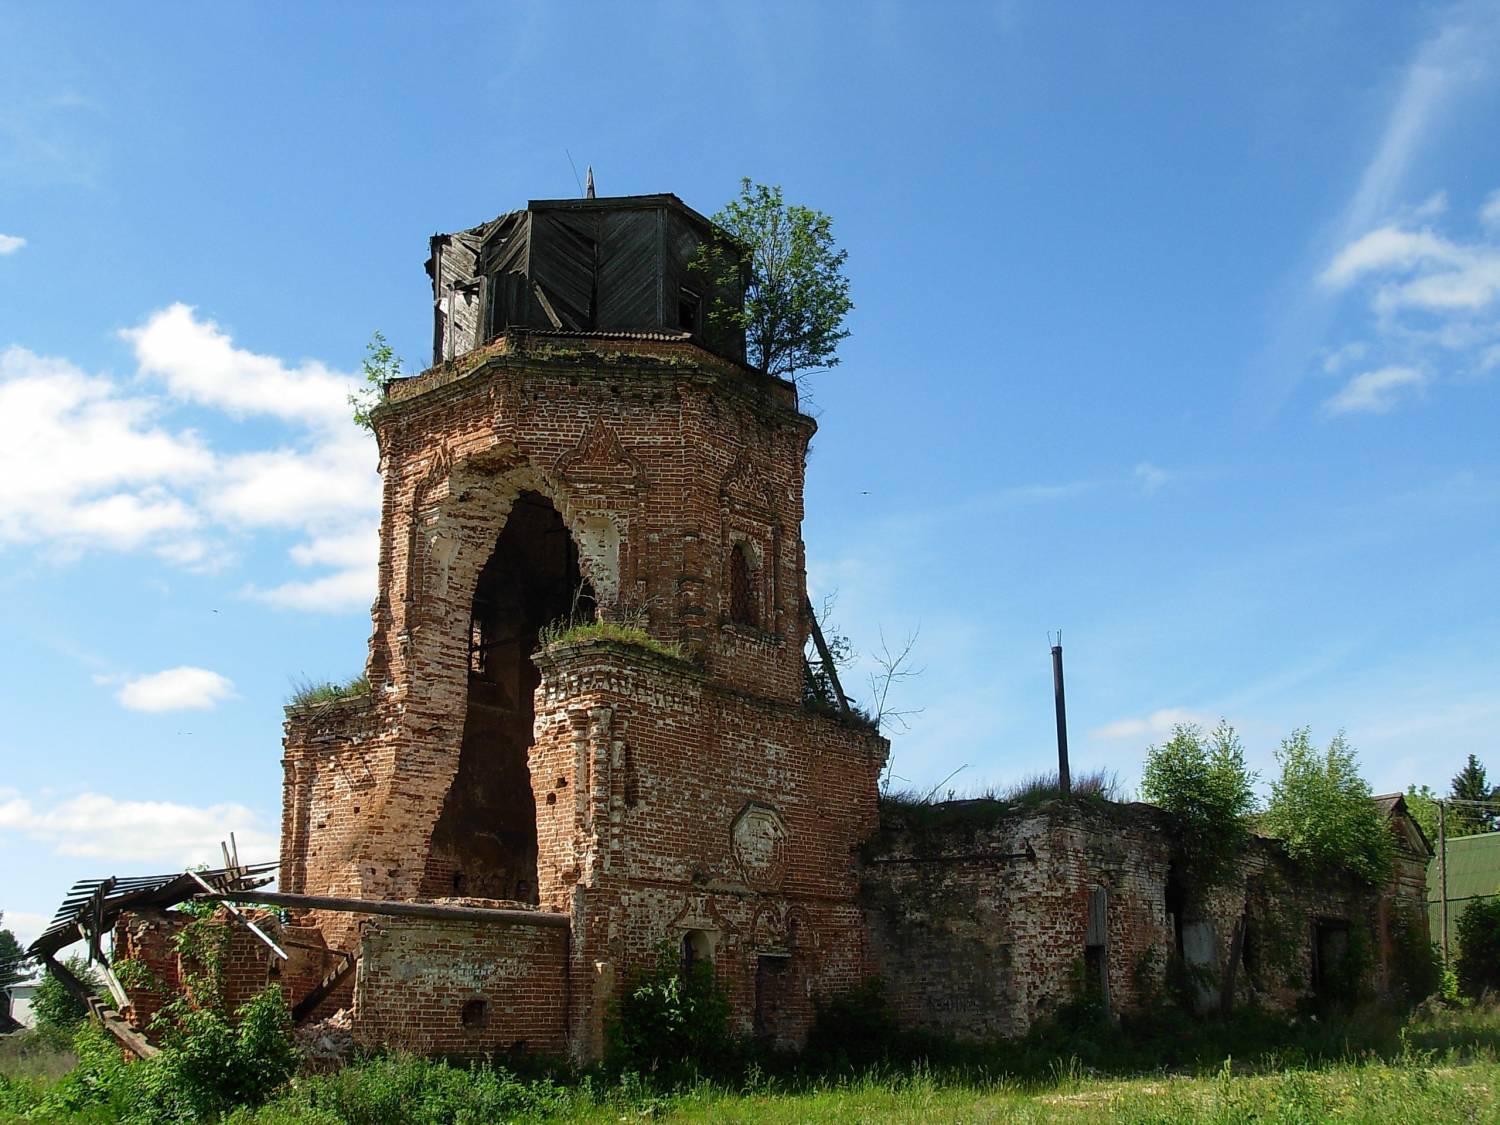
1473, 873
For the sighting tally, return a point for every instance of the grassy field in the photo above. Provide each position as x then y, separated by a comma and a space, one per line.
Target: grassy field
1441, 1067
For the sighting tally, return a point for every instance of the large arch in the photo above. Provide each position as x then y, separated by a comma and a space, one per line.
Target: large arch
484, 843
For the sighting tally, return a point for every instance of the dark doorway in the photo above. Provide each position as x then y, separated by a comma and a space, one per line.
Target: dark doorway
1331, 959
484, 844
773, 993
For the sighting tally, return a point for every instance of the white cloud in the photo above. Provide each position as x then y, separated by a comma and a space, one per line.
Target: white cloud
27, 927
87, 462
199, 363
1489, 214
333, 593
1158, 724
177, 689
1376, 392
1336, 360
1389, 248
81, 463
1434, 205
1434, 304
10, 243
128, 832
1150, 478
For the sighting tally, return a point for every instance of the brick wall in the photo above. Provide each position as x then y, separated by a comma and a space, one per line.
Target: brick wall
669, 805
978, 920
461, 988
979, 916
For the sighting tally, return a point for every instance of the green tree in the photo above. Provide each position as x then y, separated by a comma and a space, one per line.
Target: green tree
14, 965
796, 296
55, 1008
1478, 934
380, 365
1202, 780
1471, 784
1321, 810
1422, 804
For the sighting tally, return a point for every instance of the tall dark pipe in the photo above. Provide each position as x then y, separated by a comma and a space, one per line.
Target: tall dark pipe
1064, 778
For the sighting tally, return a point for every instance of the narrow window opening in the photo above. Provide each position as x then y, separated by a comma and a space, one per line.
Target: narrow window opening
741, 586
1096, 949
475, 1014
688, 304
697, 948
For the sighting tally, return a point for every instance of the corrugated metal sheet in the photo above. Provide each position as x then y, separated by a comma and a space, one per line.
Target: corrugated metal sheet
1473, 873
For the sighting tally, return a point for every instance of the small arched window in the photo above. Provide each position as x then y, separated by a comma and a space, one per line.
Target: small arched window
741, 586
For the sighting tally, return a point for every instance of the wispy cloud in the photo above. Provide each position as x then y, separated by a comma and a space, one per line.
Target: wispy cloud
88, 462
10, 243
1150, 478
126, 831
176, 689
1376, 392
1453, 62
1433, 304
1158, 724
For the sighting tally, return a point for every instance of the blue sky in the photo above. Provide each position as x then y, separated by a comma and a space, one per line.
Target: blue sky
1178, 332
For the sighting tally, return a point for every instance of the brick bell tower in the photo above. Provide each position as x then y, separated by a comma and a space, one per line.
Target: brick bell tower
588, 449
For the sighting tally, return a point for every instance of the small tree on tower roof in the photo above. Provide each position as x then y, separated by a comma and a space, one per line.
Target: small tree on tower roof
796, 293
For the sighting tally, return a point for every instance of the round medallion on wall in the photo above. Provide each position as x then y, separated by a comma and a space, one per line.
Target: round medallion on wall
758, 843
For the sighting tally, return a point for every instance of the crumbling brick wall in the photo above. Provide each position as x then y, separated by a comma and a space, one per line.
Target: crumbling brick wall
660, 457
461, 988
979, 915
669, 805
150, 941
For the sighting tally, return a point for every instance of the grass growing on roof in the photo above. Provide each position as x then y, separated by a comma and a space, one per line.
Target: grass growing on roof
308, 692
565, 632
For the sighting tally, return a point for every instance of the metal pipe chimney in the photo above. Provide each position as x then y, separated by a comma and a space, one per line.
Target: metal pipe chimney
1064, 778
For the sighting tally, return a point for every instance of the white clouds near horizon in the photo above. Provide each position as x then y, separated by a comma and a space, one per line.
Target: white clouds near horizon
1158, 724
10, 243
126, 832
89, 462
176, 689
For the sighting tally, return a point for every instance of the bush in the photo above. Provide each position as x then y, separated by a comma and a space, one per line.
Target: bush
1321, 810
1479, 947
56, 1011
418, 1091
1417, 963
208, 1064
1204, 783
854, 1030
670, 1021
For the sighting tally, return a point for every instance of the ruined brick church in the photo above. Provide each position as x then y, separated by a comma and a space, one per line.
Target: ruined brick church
524, 810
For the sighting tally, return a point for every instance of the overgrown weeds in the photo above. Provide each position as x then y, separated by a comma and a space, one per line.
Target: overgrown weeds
308, 692
566, 632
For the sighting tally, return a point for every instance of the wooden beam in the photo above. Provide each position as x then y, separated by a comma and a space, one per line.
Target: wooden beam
822, 647
127, 1036
240, 918
309, 1003
399, 909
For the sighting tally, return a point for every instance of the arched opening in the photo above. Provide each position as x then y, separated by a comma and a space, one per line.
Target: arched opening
484, 845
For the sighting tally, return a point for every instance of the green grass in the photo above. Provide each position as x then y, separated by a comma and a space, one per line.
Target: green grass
563, 633
310, 693
1439, 1067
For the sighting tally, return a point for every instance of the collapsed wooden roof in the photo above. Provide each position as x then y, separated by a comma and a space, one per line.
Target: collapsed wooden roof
92, 906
